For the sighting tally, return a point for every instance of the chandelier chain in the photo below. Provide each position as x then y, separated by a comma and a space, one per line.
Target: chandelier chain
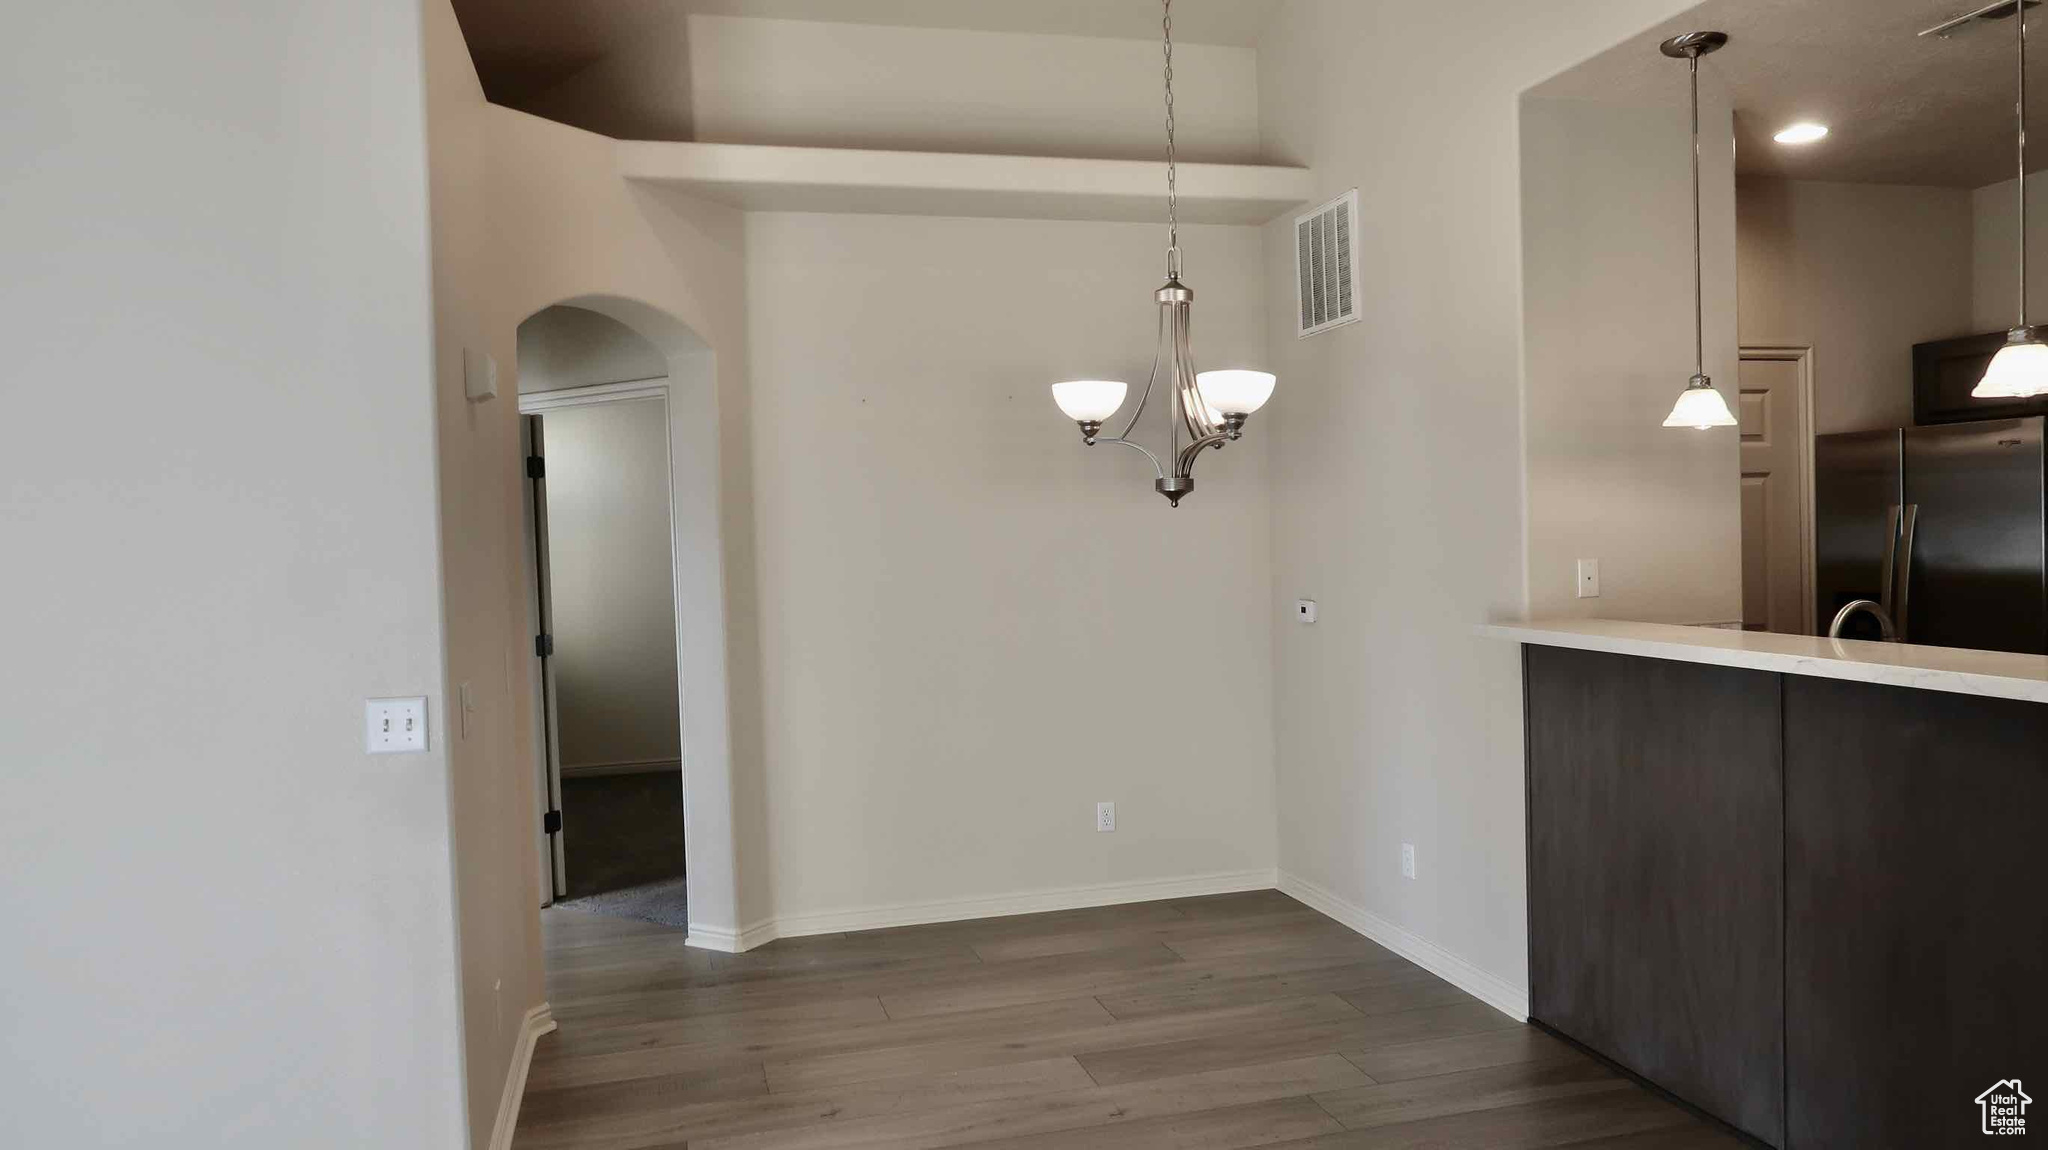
1172, 185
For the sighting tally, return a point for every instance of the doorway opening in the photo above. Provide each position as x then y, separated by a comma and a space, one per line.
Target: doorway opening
593, 396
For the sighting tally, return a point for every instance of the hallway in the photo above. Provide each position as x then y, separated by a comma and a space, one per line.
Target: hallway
1227, 1021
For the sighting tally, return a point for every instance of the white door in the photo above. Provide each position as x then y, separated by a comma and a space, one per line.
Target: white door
1777, 444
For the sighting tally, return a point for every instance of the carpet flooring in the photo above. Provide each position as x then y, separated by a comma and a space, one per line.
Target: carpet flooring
622, 836
666, 902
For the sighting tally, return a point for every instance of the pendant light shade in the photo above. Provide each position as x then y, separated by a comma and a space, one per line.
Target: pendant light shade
1089, 400
2020, 369
1700, 407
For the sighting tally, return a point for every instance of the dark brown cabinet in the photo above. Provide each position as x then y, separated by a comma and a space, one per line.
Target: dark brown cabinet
1810, 907
1656, 850
1916, 937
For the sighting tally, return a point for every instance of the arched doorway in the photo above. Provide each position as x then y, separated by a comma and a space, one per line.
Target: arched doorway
639, 370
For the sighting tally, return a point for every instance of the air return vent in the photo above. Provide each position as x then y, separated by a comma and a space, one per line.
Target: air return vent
1326, 264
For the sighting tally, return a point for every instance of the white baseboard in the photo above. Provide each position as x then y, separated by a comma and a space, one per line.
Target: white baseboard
538, 1021
1489, 988
993, 906
629, 767
718, 938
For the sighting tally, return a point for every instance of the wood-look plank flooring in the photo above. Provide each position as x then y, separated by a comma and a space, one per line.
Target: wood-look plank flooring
1198, 1024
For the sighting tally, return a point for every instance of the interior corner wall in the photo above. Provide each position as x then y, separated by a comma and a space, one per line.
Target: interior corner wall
1859, 273
528, 214
493, 783
1608, 343
226, 924
748, 80
982, 627
1396, 458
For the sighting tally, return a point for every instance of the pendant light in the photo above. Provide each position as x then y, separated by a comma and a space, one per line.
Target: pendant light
1209, 408
1699, 406
2020, 369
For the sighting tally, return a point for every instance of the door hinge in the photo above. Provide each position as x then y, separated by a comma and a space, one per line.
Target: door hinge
543, 646
551, 823
536, 467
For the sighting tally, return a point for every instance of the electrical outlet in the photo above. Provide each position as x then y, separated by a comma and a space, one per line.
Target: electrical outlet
1407, 860
1105, 816
395, 726
1589, 578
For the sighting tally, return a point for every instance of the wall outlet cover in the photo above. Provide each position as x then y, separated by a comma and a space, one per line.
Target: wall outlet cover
1407, 860
1105, 817
1589, 578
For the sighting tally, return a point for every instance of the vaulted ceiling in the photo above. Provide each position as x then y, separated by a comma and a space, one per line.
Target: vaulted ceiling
1901, 108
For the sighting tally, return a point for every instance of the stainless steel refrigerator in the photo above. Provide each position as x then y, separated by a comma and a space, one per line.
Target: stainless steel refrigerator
1944, 526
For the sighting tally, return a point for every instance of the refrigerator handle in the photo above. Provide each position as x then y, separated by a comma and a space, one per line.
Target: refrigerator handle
1889, 566
1905, 574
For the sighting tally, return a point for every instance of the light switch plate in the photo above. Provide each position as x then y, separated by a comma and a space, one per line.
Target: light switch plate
1589, 578
1305, 610
395, 726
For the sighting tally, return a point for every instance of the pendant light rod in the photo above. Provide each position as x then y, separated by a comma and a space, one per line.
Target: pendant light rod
1172, 174
1691, 47
2020, 9
1699, 338
2020, 369
1699, 406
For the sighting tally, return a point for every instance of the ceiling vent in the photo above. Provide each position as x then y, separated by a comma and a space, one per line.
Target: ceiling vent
1326, 264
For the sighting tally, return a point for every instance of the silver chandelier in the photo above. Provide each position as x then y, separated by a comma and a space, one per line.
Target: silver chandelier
1209, 408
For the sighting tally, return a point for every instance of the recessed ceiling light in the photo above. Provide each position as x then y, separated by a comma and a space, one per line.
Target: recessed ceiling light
1805, 133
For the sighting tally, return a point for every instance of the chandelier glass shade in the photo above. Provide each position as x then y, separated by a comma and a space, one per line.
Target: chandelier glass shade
1207, 409
1090, 400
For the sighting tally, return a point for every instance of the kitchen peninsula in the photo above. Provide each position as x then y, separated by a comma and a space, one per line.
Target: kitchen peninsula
1794, 881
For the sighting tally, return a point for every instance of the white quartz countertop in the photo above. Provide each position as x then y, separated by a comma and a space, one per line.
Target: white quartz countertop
1995, 674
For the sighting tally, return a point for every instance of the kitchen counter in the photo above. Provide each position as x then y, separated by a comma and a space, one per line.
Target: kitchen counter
1788, 879
1991, 674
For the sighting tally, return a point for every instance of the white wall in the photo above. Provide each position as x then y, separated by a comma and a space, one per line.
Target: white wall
1396, 455
1859, 273
1608, 338
743, 80
226, 925
974, 627
610, 585
528, 214
573, 347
